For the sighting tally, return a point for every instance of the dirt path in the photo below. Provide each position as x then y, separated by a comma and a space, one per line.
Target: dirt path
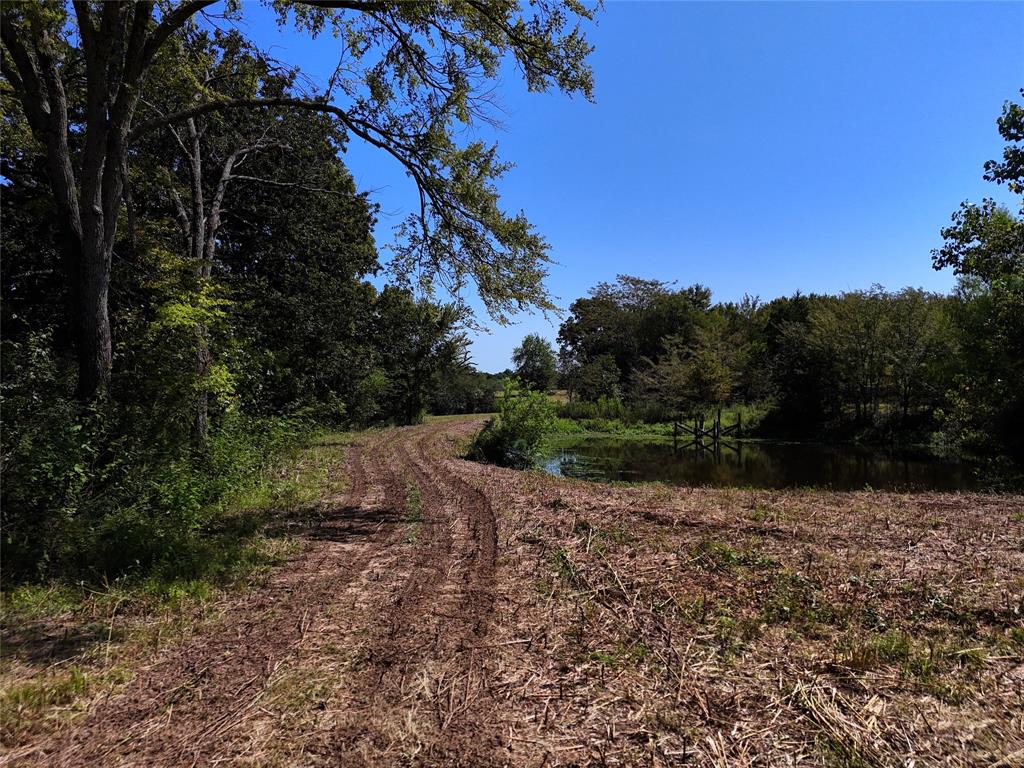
396, 590
447, 613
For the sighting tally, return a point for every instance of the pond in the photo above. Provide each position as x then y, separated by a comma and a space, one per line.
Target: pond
756, 464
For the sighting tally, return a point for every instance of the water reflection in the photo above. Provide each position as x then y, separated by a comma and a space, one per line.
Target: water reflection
759, 465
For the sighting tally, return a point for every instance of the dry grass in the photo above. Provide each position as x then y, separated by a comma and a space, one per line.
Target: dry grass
727, 627
639, 626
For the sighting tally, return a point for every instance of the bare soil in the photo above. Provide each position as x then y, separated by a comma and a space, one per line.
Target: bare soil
448, 613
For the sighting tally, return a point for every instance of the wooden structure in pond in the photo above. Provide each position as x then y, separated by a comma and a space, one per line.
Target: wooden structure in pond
711, 438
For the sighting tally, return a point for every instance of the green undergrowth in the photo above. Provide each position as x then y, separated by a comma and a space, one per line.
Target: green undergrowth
93, 628
615, 418
246, 532
515, 436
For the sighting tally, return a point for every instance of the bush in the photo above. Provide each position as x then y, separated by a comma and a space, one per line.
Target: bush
89, 494
602, 408
513, 438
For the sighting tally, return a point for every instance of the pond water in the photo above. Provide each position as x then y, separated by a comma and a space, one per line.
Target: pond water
756, 464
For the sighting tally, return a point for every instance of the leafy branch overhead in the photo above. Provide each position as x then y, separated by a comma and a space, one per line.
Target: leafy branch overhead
410, 76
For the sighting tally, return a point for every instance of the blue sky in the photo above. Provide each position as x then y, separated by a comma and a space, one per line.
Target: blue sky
756, 148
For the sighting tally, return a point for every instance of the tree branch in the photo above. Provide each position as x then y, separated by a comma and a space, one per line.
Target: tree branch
347, 5
293, 185
27, 80
170, 24
360, 128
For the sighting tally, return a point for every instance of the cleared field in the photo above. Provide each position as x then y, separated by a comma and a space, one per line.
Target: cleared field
442, 612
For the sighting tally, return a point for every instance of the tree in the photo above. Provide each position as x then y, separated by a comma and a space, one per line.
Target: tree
416, 341
598, 378
745, 327
985, 247
535, 363
919, 347
849, 334
413, 72
689, 377
629, 320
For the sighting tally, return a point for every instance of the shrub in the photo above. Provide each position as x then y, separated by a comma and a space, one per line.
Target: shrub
90, 494
601, 408
513, 438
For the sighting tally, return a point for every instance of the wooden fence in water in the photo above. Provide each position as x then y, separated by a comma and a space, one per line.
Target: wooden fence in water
711, 438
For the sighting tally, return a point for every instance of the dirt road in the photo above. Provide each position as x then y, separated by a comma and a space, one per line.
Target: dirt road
447, 613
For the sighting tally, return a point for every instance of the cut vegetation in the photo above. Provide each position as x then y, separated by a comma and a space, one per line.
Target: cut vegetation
444, 612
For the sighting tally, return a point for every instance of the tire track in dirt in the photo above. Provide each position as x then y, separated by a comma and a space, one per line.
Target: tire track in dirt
408, 701
392, 600
476, 509
181, 708
425, 686
475, 723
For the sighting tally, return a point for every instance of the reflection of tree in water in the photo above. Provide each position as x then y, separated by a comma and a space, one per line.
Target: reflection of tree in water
761, 465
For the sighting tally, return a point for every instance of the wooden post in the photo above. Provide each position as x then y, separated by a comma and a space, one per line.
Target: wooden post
739, 424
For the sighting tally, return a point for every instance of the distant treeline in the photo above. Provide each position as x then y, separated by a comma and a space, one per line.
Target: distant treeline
869, 364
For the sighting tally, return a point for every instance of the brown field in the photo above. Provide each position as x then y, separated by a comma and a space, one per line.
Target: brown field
441, 612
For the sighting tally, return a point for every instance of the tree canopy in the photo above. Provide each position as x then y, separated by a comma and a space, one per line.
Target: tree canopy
535, 363
89, 79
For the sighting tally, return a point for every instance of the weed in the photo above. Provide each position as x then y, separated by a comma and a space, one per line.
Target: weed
714, 556
762, 513
710, 555
31, 601
21, 704
839, 754
865, 654
796, 600
413, 512
598, 538
567, 569
1017, 636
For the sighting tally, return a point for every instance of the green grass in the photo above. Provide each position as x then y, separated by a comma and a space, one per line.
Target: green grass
21, 703
626, 425
250, 532
940, 665
712, 555
413, 511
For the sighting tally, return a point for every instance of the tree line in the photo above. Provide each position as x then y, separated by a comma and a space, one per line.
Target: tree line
872, 365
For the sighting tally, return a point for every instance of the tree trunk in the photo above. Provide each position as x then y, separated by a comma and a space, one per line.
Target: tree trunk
92, 321
117, 46
201, 422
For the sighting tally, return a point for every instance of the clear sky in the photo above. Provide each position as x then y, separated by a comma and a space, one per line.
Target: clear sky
757, 148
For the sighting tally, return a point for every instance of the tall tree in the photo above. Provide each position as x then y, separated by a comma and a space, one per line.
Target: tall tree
984, 245
629, 320
410, 74
535, 362
416, 341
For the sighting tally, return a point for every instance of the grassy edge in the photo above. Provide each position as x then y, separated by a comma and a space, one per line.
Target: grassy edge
65, 643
